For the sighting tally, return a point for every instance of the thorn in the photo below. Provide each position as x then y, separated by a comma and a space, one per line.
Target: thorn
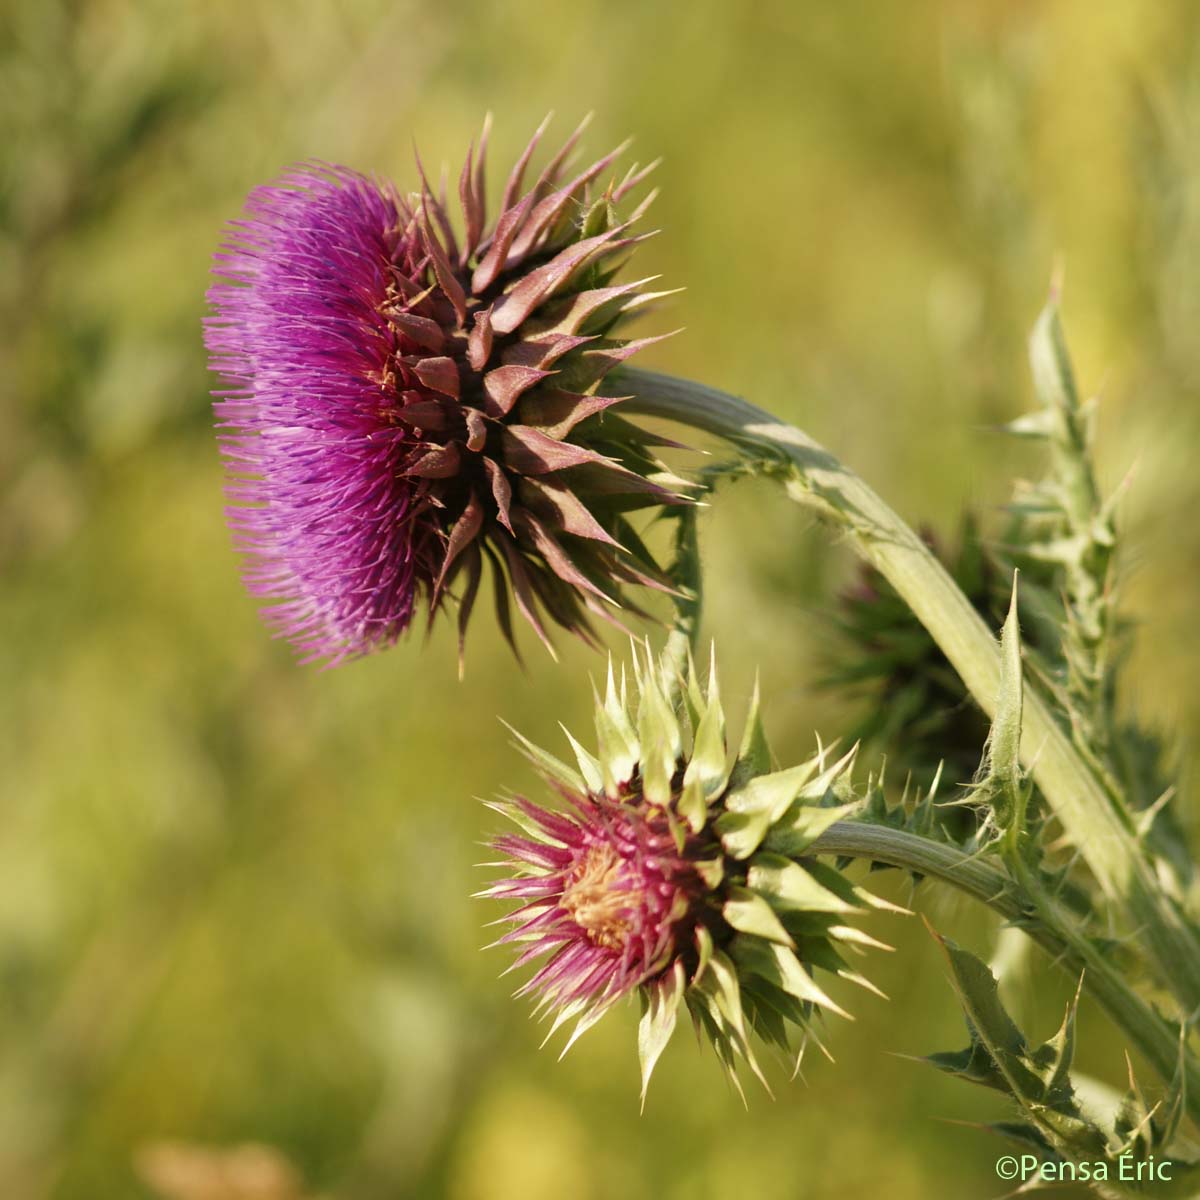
1146, 818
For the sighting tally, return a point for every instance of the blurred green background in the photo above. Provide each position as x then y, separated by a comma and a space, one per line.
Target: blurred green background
234, 893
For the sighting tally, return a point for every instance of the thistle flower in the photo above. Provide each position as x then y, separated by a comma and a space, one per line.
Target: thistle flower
404, 402
677, 871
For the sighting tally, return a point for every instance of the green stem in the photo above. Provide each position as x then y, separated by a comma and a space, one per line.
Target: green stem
688, 579
1040, 918
1099, 827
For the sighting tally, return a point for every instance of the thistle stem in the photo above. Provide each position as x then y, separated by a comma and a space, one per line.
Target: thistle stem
1097, 824
688, 579
991, 884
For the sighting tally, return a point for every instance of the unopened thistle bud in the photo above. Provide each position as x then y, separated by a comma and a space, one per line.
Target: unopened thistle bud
677, 871
406, 401
917, 711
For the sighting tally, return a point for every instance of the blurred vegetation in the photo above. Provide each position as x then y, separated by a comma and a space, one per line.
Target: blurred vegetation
234, 894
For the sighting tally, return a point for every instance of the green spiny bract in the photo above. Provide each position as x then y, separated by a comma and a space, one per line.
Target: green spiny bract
678, 870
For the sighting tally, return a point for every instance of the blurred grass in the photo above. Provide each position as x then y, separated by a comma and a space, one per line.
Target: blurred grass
234, 893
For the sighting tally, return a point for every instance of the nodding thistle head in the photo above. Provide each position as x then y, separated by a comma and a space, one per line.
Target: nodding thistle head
406, 402
683, 873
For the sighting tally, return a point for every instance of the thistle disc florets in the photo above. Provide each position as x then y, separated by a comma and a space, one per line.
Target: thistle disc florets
617, 897
679, 871
406, 401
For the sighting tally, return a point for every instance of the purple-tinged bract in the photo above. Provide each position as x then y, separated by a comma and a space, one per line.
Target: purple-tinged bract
405, 401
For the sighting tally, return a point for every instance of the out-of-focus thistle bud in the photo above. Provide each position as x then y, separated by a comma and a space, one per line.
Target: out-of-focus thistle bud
406, 401
917, 712
679, 871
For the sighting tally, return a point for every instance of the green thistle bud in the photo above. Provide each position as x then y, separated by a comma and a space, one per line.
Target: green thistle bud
918, 711
678, 870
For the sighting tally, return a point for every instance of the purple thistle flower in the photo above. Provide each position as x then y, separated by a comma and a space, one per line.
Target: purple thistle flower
402, 406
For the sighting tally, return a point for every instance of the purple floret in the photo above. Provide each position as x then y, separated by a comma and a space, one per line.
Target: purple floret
329, 523
606, 898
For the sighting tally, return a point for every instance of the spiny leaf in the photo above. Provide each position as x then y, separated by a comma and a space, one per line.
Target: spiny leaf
1036, 1078
1050, 361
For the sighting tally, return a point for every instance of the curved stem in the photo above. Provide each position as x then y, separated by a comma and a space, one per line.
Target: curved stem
991, 884
689, 600
1097, 824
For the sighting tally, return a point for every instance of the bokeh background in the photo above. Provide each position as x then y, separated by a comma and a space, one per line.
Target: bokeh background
235, 893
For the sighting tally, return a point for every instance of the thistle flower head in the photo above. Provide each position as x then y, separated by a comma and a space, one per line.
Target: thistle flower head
678, 871
406, 402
